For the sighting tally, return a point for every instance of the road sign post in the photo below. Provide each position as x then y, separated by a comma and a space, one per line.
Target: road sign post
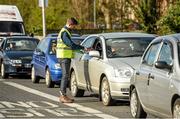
43, 4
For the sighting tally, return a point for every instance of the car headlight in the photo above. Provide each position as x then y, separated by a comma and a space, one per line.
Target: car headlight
124, 73
57, 66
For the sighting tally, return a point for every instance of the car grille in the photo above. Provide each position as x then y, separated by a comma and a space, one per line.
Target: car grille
23, 69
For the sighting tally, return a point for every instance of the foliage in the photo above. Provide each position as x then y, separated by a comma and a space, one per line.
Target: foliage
123, 15
146, 12
170, 23
56, 13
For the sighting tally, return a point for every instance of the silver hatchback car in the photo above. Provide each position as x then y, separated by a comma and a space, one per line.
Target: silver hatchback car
107, 69
155, 87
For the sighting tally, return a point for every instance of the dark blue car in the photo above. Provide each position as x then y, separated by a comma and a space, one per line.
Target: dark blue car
45, 64
16, 55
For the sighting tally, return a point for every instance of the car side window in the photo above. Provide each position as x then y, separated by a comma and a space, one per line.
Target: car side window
42, 45
1, 44
52, 49
166, 53
150, 55
89, 42
97, 46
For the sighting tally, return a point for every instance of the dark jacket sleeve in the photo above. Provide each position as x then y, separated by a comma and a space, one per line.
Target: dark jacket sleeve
67, 40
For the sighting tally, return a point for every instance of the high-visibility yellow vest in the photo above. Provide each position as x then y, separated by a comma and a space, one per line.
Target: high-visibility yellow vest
63, 51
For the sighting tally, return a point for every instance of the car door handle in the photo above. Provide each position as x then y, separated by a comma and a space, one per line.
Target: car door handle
137, 73
150, 76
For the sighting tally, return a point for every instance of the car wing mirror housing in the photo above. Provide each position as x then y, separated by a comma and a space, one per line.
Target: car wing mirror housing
163, 65
94, 54
39, 52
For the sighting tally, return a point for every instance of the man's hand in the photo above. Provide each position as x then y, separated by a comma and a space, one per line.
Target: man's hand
88, 49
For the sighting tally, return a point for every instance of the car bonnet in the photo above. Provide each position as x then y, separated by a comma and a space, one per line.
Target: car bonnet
132, 62
19, 54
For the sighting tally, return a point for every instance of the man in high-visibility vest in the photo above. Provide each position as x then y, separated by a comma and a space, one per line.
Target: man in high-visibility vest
64, 53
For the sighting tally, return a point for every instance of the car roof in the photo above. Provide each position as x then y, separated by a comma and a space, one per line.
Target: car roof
176, 36
20, 37
77, 38
124, 34
56, 35
172, 37
73, 38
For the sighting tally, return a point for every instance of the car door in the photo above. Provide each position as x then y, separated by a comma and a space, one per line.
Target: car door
39, 57
142, 74
159, 84
42, 57
81, 62
2, 42
96, 65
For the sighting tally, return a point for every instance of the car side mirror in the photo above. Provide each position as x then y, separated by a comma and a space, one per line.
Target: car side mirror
39, 52
31, 35
94, 54
143, 61
163, 65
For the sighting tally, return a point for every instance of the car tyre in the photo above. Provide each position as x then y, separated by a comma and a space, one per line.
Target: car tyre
75, 91
176, 109
105, 93
136, 107
34, 78
49, 82
4, 75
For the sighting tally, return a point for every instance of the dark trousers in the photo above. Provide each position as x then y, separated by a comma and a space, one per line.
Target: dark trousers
65, 66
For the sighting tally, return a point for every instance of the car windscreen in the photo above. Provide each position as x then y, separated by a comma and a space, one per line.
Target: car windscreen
21, 44
126, 47
11, 27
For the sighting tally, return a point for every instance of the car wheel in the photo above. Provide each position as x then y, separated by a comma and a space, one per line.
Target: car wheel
176, 109
136, 107
3, 73
74, 88
105, 93
34, 78
49, 82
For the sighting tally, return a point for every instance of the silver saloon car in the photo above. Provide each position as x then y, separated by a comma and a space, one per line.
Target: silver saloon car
155, 87
106, 69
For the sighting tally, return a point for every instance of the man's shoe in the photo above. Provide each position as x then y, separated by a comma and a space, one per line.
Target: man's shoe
65, 99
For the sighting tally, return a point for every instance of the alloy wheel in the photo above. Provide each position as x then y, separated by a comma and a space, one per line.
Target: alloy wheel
2, 70
133, 104
105, 92
48, 80
73, 84
75, 91
176, 109
33, 74
34, 78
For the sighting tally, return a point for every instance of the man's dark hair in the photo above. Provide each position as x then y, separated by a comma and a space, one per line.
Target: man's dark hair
72, 21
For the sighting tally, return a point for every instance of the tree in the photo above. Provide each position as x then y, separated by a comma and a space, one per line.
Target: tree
105, 7
146, 12
170, 23
83, 10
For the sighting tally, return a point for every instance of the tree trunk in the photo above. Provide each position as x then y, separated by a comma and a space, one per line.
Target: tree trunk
104, 5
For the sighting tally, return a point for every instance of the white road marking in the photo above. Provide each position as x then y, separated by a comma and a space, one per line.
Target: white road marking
54, 98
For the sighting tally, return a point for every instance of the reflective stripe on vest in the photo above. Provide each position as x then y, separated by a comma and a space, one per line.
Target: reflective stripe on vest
63, 51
